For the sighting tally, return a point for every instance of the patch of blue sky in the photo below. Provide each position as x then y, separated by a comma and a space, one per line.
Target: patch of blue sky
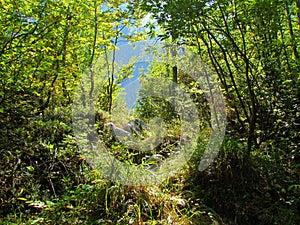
123, 56
137, 50
26, 19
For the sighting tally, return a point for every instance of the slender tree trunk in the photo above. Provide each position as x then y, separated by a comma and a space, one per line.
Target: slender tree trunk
298, 6
112, 75
174, 68
291, 27
93, 52
62, 52
175, 74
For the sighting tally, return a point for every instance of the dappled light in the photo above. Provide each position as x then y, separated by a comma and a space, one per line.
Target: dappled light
149, 112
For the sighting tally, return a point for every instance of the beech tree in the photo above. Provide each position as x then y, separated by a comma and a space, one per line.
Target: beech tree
252, 46
47, 45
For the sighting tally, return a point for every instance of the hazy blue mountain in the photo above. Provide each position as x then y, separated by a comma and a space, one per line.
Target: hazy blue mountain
123, 55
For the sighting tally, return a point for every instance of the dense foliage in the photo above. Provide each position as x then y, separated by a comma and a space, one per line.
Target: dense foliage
47, 46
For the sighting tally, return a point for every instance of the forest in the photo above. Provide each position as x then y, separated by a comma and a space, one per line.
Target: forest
150, 112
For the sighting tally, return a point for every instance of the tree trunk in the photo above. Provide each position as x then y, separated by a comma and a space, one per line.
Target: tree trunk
175, 72
298, 6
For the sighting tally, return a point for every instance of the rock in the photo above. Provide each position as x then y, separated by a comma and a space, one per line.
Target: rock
121, 134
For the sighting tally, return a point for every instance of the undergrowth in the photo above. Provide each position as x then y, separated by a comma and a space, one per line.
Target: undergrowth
45, 180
